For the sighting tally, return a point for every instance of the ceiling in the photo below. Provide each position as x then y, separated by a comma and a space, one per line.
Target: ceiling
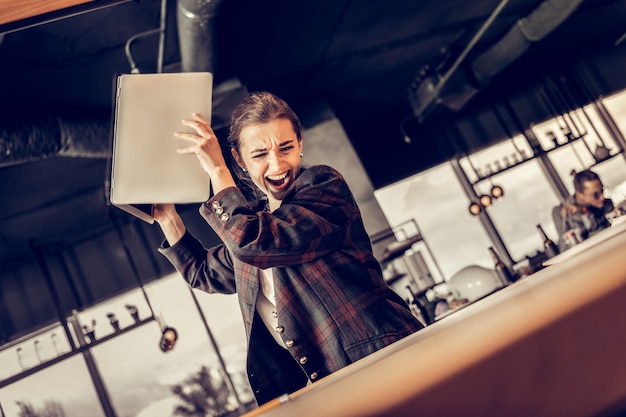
364, 58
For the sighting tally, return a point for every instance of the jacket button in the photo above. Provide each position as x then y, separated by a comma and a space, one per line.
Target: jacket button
303, 360
219, 210
289, 343
314, 376
224, 217
280, 329
216, 204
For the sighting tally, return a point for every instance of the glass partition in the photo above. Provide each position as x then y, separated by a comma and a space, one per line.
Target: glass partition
527, 201
439, 204
61, 390
436, 199
112, 363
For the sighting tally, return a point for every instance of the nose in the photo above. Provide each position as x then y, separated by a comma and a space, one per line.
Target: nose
273, 160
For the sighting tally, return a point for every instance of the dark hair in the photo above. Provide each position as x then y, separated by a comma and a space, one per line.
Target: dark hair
582, 177
257, 108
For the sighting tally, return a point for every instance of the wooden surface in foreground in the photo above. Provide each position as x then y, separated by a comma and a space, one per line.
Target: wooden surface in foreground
14, 10
552, 344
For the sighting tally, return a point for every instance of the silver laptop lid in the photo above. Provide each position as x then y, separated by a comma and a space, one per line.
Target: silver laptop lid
146, 167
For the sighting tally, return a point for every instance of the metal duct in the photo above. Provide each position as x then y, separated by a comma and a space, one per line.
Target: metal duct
532, 28
196, 34
54, 136
58, 136
462, 85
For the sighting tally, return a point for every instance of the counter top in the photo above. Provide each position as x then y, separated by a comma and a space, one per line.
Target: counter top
551, 344
599, 237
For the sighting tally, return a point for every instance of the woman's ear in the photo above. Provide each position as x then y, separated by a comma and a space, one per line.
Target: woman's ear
237, 158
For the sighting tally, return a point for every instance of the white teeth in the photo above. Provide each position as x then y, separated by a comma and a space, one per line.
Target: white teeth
277, 180
277, 177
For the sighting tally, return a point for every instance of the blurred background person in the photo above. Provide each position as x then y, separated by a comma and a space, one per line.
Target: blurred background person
585, 212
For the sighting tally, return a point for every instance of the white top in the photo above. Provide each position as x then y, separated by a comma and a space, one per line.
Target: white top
266, 304
267, 285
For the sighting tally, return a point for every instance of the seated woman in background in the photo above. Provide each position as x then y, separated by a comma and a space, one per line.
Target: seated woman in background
311, 292
585, 211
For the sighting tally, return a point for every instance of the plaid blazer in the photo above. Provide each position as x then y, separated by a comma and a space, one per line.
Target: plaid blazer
333, 306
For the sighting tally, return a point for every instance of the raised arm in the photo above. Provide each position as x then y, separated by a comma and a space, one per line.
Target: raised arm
318, 215
205, 145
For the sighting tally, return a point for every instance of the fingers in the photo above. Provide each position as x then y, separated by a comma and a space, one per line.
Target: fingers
163, 212
200, 119
200, 125
193, 138
203, 134
203, 143
200, 129
189, 149
193, 148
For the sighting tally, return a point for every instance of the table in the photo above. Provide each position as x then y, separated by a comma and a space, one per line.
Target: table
551, 344
599, 237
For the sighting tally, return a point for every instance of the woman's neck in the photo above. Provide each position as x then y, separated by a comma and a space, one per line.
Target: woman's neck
273, 204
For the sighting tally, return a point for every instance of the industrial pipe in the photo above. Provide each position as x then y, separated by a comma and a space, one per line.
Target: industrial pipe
54, 136
196, 33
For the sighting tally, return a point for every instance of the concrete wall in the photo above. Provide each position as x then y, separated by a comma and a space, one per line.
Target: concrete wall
326, 142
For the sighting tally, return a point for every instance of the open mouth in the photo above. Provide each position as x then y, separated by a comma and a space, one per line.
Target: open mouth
277, 180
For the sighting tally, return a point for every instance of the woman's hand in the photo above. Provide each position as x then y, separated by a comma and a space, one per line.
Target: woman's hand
205, 145
170, 221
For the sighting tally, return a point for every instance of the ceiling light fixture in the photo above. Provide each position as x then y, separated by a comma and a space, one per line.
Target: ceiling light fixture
169, 335
497, 191
475, 208
485, 200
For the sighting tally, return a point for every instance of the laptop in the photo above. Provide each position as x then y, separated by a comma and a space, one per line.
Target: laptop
145, 166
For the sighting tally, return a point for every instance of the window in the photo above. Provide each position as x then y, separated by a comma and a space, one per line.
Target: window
140, 377
528, 200
140, 380
436, 200
616, 106
64, 389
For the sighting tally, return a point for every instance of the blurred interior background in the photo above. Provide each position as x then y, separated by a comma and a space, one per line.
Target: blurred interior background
423, 106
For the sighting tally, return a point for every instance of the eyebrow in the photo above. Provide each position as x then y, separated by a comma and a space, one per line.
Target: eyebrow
288, 141
258, 150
